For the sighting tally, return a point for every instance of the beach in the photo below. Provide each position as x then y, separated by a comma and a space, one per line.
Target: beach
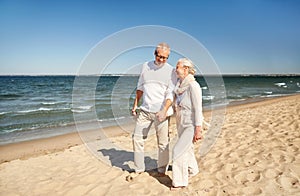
256, 153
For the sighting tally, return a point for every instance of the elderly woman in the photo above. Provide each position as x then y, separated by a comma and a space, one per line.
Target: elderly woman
189, 122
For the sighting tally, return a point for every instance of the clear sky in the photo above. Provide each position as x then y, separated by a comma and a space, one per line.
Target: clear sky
243, 36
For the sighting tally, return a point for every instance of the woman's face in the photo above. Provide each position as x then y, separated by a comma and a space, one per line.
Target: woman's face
181, 71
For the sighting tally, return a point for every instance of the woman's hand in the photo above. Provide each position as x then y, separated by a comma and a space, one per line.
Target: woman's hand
161, 115
197, 134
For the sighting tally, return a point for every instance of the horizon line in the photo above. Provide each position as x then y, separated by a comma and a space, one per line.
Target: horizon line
225, 74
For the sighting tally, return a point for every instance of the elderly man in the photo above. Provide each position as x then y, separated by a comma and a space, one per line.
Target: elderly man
155, 86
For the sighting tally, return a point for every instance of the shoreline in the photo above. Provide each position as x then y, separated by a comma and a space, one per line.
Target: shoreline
41, 146
43, 133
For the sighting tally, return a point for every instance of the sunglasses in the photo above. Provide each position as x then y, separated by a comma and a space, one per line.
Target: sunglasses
161, 57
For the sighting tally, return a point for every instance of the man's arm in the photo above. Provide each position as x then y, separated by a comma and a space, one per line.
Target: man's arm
168, 105
162, 114
138, 96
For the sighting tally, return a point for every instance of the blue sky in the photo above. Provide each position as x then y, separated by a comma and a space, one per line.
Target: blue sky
53, 37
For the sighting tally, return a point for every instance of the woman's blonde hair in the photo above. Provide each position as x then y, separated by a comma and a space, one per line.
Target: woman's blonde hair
185, 62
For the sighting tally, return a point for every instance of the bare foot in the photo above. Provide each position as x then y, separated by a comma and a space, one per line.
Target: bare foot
132, 175
176, 188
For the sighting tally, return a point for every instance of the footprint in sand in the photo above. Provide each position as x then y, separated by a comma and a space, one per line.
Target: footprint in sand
251, 191
244, 177
288, 183
292, 148
253, 176
250, 161
205, 184
241, 177
215, 154
278, 156
216, 167
231, 166
289, 158
272, 173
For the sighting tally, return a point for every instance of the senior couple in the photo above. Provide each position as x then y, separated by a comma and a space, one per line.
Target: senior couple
157, 85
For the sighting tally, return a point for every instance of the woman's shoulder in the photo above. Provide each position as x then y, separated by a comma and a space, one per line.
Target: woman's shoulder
194, 84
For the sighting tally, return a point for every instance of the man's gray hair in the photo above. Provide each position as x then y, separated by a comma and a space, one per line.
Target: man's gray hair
163, 46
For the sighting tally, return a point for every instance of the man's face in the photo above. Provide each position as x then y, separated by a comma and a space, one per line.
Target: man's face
161, 56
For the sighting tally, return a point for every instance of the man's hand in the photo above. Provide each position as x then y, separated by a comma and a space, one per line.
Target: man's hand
138, 96
133, 111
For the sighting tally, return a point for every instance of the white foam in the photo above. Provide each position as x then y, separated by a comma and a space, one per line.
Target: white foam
82, 109
36, 110
209, 97
49, 103
2, 113
280, 84
268, 92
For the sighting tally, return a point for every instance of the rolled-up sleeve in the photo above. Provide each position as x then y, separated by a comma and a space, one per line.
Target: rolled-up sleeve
171, 86
141, 80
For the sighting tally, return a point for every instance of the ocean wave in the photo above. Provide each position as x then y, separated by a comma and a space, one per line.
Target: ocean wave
234, 96
255, 96
86, 107
34, 110
82, 109
10, 96
110, 119
41, 110
78, 111
50, 103
208, 97
268, 92
276, 95
280, 84
234, 100
25, 128
3, 113
11, 130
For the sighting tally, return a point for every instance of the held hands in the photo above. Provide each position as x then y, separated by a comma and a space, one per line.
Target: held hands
161, 115
197, 134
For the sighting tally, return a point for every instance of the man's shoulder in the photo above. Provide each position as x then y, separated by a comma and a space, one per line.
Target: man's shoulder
148, 65
169, 66
151, 65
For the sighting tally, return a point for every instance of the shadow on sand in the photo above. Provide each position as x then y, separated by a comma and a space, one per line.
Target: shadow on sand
122, 158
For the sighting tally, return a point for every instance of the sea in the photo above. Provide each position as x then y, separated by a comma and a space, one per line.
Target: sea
33, 107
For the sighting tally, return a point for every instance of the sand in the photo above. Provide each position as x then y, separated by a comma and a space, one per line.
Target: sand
256, 153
